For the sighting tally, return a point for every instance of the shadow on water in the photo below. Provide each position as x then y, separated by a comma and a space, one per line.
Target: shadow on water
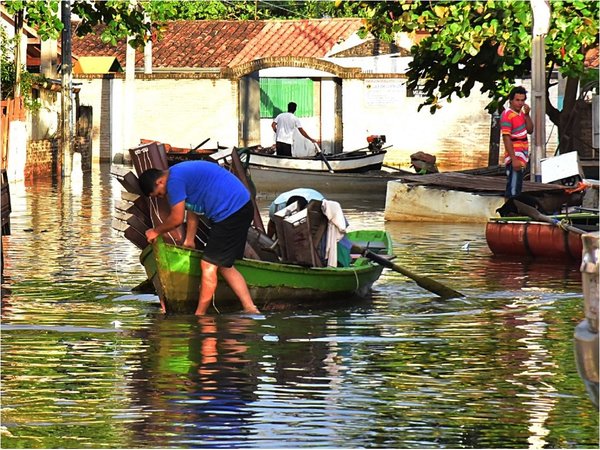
88, 364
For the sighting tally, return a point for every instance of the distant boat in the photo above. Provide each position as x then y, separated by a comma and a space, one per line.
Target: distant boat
357, 161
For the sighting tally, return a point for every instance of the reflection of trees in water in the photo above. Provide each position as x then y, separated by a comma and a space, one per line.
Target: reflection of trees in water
197, 379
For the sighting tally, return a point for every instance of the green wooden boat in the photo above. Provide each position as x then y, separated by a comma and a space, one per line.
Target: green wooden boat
175, 273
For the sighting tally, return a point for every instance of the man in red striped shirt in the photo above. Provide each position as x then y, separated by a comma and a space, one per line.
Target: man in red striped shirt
515, 125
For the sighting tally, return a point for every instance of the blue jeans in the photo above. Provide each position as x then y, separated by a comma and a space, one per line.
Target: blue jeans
514, 181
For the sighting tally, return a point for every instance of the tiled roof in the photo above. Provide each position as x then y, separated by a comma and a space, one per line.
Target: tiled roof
227, 43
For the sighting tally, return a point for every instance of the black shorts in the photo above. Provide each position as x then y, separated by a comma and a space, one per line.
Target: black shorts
283, 149
227, 239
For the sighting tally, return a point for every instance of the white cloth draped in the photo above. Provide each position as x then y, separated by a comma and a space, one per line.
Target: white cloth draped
336, 229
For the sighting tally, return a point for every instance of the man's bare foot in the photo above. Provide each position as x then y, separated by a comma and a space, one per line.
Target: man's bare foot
252, 310
189, 245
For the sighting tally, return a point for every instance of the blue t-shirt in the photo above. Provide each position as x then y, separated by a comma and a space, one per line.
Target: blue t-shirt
207, 189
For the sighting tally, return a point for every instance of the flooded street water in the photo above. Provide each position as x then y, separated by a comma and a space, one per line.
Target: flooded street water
88, 364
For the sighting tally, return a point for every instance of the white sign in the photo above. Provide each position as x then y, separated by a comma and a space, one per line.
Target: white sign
384, 92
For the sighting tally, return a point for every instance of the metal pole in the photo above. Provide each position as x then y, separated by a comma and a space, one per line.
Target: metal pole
66, 89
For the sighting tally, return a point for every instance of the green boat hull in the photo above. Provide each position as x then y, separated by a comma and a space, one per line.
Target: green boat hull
175, 273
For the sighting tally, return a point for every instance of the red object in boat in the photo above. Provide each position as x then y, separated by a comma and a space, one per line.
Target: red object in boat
532, 239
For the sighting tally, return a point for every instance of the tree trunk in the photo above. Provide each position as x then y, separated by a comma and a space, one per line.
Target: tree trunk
494, 151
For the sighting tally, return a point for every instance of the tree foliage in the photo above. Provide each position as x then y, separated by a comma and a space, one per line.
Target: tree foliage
487, 42
139, 18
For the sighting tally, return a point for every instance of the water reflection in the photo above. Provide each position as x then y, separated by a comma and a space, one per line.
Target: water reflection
404, 370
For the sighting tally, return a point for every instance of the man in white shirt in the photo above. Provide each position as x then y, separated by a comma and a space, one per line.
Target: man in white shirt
284, 125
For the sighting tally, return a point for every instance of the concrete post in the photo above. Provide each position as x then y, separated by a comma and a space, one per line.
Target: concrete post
541, 23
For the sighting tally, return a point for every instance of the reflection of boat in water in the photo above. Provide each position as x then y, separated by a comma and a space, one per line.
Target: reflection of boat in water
522, 236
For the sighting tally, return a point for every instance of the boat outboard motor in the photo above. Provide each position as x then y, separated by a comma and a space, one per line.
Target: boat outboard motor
376, 142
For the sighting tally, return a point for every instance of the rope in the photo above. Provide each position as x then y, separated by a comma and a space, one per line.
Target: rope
214, 304
154, 206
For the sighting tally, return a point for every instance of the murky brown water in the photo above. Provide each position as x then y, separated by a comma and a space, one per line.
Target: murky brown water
405, 370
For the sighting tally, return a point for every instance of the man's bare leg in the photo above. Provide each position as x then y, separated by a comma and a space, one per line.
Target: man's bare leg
238, 284
208, 285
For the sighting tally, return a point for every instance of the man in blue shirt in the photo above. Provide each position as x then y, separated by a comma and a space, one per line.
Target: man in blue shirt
202, 187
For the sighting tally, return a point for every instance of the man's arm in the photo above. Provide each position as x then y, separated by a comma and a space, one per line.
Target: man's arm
508, 145
173, 221
528, 121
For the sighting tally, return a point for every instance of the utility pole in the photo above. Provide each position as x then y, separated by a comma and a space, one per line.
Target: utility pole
18, 51
66, 89
541, 23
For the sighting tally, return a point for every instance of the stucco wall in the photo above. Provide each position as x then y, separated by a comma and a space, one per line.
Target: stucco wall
185, 112
96, 93
458, 134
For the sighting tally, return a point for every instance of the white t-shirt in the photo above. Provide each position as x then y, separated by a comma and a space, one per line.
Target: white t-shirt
286, 124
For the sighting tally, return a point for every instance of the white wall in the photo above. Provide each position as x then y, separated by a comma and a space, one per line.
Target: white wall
458, 133
185, 112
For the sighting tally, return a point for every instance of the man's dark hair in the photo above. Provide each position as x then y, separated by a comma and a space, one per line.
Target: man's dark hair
517, 90
292, 107
148, 180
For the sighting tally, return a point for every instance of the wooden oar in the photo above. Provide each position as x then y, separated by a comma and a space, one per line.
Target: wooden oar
425, 282
322, 155
530, 211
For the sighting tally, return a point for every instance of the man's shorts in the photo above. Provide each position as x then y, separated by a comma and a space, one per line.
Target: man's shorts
227, 239
283, 149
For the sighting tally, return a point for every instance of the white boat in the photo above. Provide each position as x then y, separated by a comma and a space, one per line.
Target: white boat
410, 203
453, 197
358, 161
346, 172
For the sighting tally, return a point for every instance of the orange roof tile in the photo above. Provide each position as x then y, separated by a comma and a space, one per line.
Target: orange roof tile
226, 43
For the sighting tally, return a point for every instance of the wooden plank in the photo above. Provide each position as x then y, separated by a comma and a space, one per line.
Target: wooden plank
131, 233
476, 183
129, 181
131, 208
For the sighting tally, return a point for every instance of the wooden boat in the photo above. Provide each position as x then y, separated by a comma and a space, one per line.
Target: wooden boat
176, 273
294, 276
281, 180
458, 197
357, 161
524, 237
180, 154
